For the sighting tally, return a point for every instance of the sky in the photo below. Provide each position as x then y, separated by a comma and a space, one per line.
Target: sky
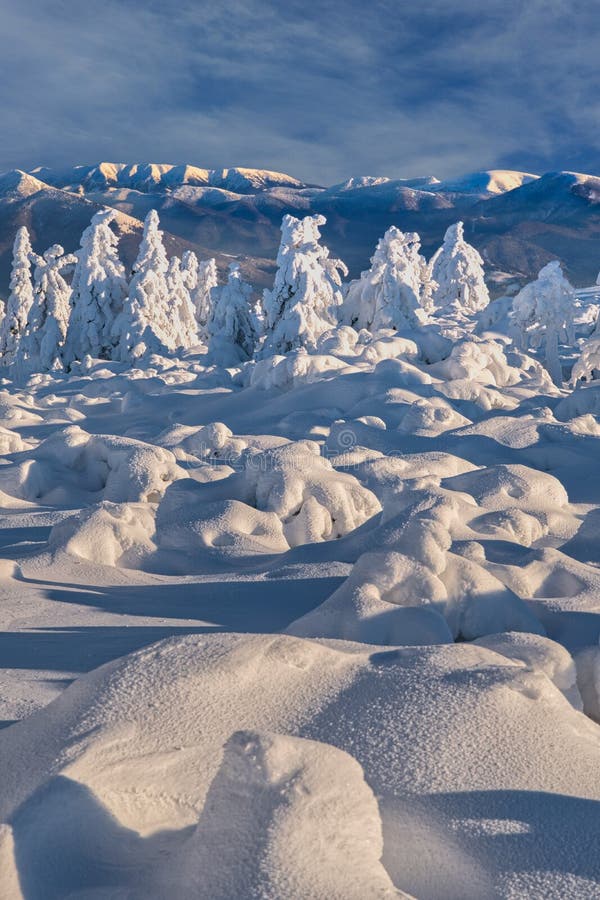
322, 91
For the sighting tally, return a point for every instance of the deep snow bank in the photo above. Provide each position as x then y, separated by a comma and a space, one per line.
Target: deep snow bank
192, 732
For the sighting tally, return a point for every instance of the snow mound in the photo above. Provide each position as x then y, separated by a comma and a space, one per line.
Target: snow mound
287, 817
510, 524
389, 346
388, 598
124, 778
121, 469
312, 500
511, 487
486, 398
186, 523
542, 655
12, 442
213, 442
479, 603
585, 400
389, 474
482, 361
430, 417
401, 373
113, 534
286, 372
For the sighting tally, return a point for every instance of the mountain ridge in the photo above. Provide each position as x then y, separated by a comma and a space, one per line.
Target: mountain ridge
517, 220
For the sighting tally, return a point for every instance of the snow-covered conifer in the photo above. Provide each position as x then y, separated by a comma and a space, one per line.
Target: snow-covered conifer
457, 268
201, 280
182, 309
146, 322
98, 291
543, 313
428, 285
233, 326
307, 292
189, 270
20, 299
41, 346
389, 294
587, 366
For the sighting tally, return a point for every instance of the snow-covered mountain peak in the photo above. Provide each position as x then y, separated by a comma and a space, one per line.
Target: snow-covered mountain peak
17, 183
488, 183
360, 181
148, 177
243, 180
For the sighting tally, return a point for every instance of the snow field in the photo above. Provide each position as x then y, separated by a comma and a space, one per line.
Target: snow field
299, 615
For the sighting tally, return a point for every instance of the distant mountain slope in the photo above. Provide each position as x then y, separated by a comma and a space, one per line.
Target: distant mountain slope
149, 176
54, 215
517, 220
486, 184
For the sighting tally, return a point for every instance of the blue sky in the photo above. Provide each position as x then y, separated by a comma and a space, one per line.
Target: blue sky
323, 92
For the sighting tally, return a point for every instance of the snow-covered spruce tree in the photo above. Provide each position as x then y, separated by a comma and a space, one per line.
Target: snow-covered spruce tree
233, 327
389, 294
201, 280
542, 313
146, 323
99, 289
307, 292
457, 268
428, 285
41, 347
185, 326
587, 367
20, 299
524, 325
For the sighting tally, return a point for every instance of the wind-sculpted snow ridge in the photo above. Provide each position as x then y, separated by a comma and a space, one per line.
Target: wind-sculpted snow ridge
319, 626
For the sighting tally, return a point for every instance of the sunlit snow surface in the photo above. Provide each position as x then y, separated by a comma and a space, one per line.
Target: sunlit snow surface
373, 576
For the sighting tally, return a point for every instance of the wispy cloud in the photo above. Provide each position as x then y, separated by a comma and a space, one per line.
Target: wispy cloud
342, 88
